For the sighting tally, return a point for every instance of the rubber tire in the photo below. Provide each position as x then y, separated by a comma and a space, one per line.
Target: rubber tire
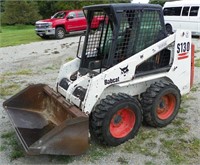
169, 29
150, 101
101, 116
58, 31
44, 37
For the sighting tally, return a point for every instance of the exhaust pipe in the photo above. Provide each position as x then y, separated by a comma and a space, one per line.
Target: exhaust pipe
46, 123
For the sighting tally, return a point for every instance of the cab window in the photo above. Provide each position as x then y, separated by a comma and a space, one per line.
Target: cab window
194, 11
71, 15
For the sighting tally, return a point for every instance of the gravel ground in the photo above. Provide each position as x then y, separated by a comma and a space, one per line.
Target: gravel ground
39, 62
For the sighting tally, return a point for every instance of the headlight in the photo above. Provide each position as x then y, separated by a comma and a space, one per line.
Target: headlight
80, 92
49, 25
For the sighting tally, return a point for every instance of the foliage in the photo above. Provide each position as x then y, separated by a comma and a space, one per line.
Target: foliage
2, 6
48, 8
29, 11
160, 2
20, 12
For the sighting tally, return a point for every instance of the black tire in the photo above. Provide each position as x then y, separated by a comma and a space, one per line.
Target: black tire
60, 33
160, 104
44, 37
169, 29
116, 119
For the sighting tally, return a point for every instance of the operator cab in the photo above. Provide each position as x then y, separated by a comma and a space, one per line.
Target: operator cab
123, 30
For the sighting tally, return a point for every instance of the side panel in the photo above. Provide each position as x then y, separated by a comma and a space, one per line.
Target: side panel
181, 68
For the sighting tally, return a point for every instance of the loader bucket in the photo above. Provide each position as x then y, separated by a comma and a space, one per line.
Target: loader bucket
46, 123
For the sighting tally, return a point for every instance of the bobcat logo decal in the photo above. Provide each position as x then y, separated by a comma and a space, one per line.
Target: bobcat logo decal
124, 70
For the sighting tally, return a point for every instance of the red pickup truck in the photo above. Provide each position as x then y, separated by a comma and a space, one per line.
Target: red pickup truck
62, 23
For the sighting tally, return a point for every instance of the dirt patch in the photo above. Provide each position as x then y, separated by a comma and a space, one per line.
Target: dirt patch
178, 143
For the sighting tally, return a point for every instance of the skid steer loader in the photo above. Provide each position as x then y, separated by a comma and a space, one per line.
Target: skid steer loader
129, 70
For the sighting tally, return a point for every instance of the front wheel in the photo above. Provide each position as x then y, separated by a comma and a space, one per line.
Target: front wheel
60, 33
116, 119
160, 103
44, 37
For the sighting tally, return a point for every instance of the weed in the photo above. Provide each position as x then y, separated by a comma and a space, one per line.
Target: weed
63, 158
10, 141
7, 135
183, 110
2, 148
96, 152
9, 89
176, 131
180, 150
50, 68
187, 97
141, 143
149, 163
178, 121
19, 72
2, 80
122, 160
194, 88
69, 59
197, 63
184, 98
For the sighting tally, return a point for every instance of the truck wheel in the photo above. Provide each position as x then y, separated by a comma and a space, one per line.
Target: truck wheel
116, 119
60, 33
44, 37
169, 29
160, 104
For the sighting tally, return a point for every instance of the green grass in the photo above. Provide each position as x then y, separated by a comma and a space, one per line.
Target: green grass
9, 89
9, 141
19, 72
197, 63
69, 59
183, 110
122, 160
197, 51
180, 151
64, 159
149, 163
18, 34
2, 79
143, 143
97, 151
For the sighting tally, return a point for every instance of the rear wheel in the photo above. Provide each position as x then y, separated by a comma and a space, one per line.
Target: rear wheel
169, 29
60, 33
161, 103
116, 119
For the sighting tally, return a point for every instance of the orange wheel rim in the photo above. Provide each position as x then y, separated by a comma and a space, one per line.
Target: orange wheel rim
122, 123
166, 106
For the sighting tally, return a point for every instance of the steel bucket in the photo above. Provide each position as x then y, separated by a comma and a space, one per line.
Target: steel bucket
46, 123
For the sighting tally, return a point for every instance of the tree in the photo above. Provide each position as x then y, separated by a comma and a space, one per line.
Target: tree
20, 12
160, 2
48, 8
2, 2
